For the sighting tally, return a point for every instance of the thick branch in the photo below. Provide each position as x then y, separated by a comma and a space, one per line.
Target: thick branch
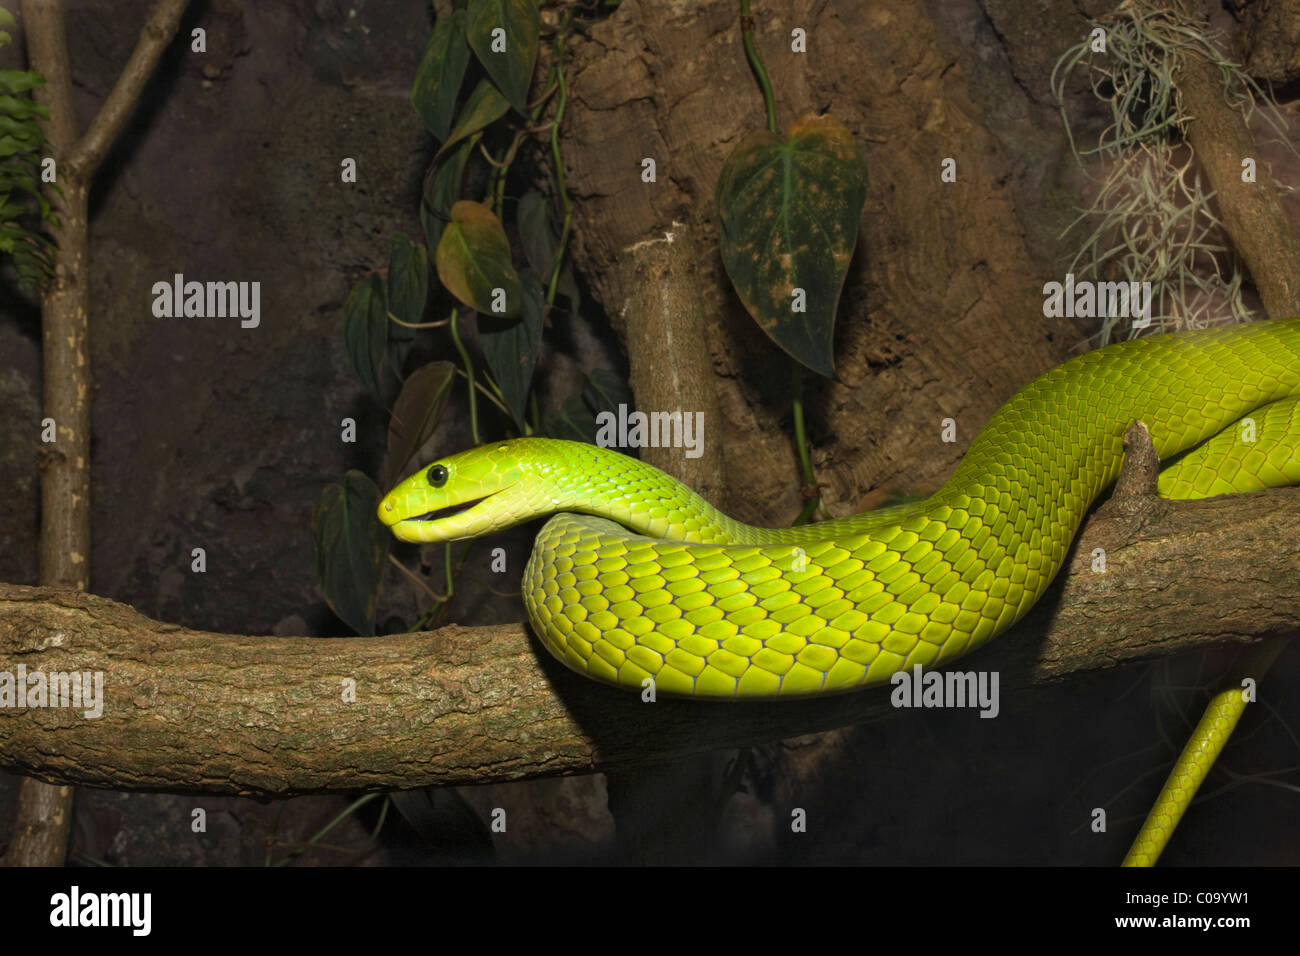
664, 333
192, 711
671, 369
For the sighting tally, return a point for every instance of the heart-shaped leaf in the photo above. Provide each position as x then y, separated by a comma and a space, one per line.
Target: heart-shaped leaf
442, 189
365, 331
510, 346
408, 282
351, 548
483, 108
790, 210
437, 81
503, 35
473, 261
408, 290
415, 415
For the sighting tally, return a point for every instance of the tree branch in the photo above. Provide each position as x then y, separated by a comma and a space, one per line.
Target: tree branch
45, 814
192, 711
47, 51
155, 35
666, 339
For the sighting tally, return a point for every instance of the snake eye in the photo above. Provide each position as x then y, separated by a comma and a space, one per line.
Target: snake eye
437, 476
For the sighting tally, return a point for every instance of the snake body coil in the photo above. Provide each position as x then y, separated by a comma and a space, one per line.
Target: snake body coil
710, 607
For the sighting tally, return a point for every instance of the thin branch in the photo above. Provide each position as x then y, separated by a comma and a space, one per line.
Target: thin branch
47, 51
155, 35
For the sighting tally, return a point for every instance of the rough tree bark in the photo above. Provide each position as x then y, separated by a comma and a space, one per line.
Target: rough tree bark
940, 316
666, 338
191, 711
40, 834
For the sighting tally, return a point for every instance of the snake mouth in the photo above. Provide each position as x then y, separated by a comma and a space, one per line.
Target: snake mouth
450, 510
451, 523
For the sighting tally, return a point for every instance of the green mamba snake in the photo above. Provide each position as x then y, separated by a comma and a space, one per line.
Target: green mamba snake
707, 606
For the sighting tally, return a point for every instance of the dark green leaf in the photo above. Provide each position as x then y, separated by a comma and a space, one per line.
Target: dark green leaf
510, 346
567, 286
365, 331
445, 820
473, 261
535, 233
22, 198
539, 234
790, 210
484, 107
20, 81
574, 421
24, 129
442, 67
415, 415
351, 547
22, 108
510, 55
11, 144
442, 189
408, 290
408, 283
603, 391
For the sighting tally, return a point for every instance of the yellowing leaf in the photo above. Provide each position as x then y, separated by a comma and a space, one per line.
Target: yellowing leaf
473, 261
790, 209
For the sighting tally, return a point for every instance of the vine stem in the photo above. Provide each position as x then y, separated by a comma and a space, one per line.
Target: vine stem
469, 375
417, 580
560, 102
495, 399
801, 443
343, 814
751, 51
429, 619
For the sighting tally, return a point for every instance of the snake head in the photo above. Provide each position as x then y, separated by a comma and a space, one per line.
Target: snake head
467, 494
